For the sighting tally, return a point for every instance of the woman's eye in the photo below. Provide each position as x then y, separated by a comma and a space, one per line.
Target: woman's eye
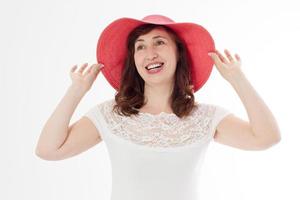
139, 47
160, 42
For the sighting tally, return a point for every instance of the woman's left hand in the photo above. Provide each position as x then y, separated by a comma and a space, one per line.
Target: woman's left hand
229, 68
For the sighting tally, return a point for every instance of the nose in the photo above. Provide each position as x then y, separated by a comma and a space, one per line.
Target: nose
151, 53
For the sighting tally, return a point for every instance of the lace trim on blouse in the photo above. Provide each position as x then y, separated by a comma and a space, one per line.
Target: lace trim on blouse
162, 130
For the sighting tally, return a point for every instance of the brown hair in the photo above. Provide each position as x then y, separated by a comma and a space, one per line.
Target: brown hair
130, 96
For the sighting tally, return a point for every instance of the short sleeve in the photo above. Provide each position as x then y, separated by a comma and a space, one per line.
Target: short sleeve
219, 114
94, 115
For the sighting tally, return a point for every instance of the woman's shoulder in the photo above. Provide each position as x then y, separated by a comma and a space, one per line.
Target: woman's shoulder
203, 109
106, 103
210, 109
104, 107
206, 105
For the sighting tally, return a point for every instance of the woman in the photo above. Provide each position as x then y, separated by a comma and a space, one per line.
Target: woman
155, 132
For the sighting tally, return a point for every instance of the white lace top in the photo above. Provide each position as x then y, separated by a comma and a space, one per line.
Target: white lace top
156, 156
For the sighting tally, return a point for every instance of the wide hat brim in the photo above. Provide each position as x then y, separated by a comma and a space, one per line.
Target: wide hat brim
111, 47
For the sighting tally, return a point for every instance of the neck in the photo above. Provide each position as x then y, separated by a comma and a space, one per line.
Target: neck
158, 98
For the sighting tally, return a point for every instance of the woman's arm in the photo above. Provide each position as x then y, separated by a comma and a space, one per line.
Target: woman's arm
55, 132
262, 130
261, 119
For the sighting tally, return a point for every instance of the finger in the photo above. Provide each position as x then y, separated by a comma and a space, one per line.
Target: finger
95, 68
82, 67
238, 58
73, 68
230, 58
216, 58
99, 67
89, 69
222, 58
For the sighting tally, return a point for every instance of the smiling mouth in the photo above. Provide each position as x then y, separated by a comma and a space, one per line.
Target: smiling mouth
154, 66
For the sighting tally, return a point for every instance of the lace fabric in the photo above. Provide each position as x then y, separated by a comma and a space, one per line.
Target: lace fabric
162, 130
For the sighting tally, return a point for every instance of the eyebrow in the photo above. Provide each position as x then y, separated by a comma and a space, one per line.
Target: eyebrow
155, 37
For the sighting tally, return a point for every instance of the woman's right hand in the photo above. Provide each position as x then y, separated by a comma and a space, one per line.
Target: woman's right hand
84, 80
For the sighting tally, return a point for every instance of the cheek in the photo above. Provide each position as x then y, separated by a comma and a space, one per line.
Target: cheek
173, 57
138, 60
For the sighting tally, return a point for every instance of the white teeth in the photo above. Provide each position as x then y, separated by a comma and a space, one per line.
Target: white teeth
154, 66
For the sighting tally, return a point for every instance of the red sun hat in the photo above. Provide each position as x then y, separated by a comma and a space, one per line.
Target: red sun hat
111, 47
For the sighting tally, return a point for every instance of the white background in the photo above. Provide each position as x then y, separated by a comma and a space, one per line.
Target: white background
41, 40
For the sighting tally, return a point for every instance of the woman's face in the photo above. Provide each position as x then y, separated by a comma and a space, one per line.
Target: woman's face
155, 56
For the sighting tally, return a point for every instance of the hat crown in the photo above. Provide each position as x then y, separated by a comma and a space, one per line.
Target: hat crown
157, 19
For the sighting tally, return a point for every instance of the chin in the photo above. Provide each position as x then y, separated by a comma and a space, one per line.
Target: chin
158, 81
